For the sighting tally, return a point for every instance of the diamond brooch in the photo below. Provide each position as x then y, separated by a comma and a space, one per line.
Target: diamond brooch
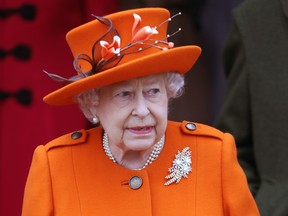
181, 167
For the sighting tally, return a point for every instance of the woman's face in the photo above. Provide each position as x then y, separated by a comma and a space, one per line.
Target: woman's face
134, 112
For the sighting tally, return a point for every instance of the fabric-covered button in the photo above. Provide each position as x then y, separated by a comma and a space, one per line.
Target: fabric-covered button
135, 182
191, 126
76, 135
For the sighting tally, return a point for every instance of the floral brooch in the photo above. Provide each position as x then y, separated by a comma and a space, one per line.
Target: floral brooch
181, 167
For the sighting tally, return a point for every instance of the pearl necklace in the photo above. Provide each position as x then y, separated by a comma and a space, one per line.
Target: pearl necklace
154, 154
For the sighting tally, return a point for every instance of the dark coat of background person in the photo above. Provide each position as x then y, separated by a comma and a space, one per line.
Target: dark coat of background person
256, 105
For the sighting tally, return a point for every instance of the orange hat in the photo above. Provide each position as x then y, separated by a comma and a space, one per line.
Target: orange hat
119, 47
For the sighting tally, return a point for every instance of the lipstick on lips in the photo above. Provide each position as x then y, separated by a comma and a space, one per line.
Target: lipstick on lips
141, 129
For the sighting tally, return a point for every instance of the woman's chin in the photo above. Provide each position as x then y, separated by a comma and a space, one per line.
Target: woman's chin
139, 144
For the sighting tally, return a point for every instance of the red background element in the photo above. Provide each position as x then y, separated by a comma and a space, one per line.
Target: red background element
22, 128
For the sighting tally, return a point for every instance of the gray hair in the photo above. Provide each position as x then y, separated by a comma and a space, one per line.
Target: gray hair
88, 100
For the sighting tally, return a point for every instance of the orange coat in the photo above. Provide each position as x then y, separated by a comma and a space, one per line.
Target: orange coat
74, 177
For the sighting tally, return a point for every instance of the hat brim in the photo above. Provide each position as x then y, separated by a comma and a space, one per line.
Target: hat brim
180, 60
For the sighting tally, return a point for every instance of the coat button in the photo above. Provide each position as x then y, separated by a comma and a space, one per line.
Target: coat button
76, 135
191, 126
135, 182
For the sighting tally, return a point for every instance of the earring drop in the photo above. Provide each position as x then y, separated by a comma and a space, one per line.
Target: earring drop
94, 120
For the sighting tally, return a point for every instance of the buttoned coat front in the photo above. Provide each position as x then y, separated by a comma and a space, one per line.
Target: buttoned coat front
75, 177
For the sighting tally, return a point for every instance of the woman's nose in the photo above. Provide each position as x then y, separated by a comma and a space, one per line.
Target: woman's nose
140, 108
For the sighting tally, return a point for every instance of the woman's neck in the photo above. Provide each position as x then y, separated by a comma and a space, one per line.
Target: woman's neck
131, 159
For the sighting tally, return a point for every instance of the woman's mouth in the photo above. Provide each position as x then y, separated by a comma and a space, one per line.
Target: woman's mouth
141, 129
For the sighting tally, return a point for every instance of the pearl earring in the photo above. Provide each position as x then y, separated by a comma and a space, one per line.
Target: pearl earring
94, 120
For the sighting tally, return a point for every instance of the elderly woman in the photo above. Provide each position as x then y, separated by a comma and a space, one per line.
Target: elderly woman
135, 162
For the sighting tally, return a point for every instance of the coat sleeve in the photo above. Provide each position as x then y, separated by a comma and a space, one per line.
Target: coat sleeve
38, 190
237, 198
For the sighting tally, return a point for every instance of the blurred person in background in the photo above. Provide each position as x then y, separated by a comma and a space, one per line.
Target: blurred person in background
255, 108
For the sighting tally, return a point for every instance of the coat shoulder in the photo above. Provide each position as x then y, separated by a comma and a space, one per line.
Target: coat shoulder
73, 138
197, 129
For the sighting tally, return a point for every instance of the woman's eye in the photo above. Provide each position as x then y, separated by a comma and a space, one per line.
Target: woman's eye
124, 94
122, 97
153, 92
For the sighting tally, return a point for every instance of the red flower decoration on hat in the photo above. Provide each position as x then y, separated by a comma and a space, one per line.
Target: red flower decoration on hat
109, 50
141, 34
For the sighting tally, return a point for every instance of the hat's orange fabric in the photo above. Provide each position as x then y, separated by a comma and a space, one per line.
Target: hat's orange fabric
146, 62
